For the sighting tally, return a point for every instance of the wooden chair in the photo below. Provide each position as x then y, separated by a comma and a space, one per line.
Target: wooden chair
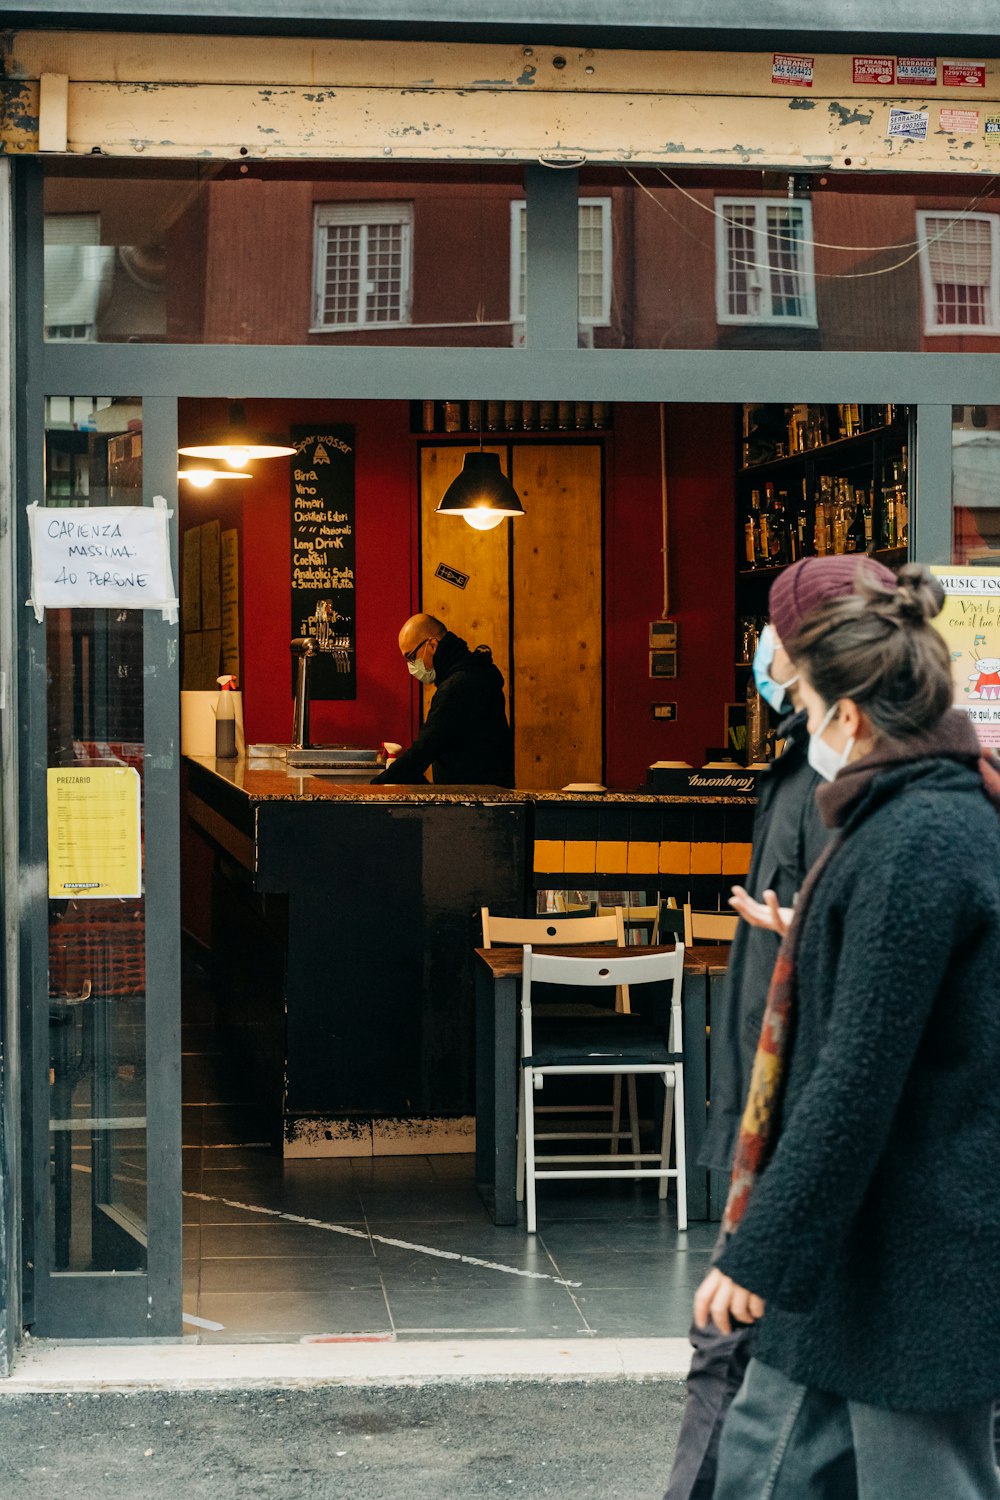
649, 924
622, 1045
607, 927
708, 926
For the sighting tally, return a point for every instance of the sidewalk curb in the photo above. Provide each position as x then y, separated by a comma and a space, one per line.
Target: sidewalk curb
65, 1367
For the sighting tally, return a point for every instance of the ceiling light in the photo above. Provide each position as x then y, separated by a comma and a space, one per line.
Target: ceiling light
237, 444
482, 494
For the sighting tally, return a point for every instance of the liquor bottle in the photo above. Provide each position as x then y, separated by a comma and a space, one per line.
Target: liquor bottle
764, 526
778, 530
546, 415
452, 416
564, 415
856, 530
494, 416
868, 507
903, 502
802, 524
600, 414
475, 418
511, 416
529, 415
756, 725
751, 531
582, 416
427, 417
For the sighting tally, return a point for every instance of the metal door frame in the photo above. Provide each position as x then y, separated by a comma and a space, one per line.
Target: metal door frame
148, 1304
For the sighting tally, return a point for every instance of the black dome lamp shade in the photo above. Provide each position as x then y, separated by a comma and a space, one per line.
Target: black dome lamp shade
482, 494
237, 444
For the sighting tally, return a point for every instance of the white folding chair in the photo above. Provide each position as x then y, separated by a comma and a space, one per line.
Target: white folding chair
622, 1045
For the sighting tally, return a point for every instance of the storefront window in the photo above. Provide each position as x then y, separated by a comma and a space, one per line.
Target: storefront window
976, 485
803, 260
97, 930
216, 253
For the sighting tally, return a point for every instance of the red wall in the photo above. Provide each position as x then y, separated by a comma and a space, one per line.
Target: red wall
384, 524
700, 446
700, 459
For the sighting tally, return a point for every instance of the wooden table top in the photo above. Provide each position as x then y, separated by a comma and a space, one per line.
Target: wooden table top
507, 963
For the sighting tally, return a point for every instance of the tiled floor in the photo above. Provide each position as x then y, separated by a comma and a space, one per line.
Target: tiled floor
402, 1246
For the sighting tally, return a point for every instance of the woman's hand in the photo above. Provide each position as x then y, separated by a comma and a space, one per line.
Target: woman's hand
719, 1300
766, 913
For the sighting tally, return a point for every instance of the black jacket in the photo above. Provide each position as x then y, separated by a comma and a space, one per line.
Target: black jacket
874, 1233
788, 837
466, 737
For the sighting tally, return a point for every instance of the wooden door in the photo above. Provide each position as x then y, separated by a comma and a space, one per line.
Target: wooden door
534, 582
558, 616
479, 612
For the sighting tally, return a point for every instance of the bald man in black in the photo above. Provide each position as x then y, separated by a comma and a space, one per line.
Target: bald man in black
466, 737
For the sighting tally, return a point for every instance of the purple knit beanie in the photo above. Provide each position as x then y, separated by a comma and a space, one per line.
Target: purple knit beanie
813, 580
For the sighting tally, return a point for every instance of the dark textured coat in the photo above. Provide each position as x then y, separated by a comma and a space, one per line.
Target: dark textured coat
788, 838
874, 1233
465, 737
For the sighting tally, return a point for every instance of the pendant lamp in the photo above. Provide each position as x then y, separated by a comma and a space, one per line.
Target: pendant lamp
202, 472
482, 494
237, 444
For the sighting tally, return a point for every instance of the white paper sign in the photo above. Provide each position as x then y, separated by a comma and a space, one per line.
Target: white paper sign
101, 557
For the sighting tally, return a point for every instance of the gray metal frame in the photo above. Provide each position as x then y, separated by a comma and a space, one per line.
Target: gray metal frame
549, 366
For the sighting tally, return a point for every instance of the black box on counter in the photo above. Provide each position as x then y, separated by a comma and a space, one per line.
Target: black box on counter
706, 783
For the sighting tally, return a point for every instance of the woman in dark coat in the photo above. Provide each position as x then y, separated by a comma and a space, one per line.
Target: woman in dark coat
864, 1210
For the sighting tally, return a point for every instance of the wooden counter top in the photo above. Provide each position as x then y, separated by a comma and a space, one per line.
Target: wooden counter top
264, 780
271, 781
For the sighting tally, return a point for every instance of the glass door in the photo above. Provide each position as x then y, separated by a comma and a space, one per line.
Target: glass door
106, 1226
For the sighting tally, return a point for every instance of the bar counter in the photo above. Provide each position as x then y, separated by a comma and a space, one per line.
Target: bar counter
345, 919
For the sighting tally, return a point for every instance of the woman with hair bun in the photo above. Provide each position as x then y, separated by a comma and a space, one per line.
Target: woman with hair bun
864, 1212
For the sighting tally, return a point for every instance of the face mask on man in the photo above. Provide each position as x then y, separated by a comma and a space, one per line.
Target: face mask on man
772, 692
823, 758
420, 672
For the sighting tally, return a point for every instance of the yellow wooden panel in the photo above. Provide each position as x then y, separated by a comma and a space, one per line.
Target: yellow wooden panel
736, 858
581, 856
643, 858
706, 858
549, 857
675, 858
612, 857
479, 613
558, 698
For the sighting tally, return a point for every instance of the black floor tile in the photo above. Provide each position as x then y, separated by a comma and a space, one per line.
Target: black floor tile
308, 1275
527, 1310
267, 1238
631, 1312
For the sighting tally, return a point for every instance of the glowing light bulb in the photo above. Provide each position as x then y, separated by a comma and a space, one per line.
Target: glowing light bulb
237, 457
484, 520
200, 478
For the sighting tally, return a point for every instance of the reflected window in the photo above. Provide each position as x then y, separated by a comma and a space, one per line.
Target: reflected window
961, 272
363, 259
78, 274
764, 262
593, 266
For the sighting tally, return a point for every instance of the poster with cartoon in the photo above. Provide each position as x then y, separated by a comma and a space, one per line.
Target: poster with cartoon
970, 624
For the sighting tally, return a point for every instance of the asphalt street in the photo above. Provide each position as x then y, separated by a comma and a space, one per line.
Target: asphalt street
592, 1441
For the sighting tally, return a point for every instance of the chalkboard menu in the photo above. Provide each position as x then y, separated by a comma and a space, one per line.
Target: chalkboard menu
323, 582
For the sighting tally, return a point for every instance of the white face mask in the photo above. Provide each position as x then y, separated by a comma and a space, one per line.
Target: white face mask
824, 760
420, 672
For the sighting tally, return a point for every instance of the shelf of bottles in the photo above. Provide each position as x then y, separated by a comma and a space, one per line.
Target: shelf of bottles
462, 418
813, 481
827, 480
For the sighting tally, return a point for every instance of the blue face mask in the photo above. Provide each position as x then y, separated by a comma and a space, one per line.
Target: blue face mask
772, 692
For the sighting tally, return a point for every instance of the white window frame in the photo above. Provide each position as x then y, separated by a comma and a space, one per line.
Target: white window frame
517, 308
766, 315
362, 215
991, 327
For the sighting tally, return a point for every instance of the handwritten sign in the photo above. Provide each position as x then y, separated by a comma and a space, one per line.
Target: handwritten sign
95, 850
323, 555
101, 557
